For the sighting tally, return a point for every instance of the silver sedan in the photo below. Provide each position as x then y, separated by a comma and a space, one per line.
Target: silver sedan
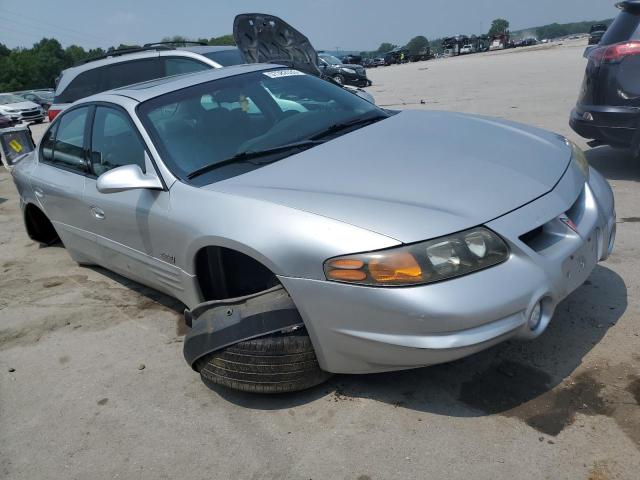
308, 231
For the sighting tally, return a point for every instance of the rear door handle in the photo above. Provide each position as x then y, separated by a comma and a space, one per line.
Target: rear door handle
38, 191
97, 212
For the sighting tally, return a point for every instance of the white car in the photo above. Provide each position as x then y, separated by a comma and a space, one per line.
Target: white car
20, 110
466, 49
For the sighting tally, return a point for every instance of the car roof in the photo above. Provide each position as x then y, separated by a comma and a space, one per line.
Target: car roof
153, 88
91, 64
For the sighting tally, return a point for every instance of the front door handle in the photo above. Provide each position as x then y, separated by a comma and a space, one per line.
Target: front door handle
38, 191
97, 212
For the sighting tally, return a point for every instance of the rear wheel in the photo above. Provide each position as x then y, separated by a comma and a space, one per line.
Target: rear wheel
276, 363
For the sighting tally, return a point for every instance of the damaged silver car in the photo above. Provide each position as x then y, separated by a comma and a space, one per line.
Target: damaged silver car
309, 231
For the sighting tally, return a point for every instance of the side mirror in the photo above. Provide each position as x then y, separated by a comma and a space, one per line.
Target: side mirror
127, 177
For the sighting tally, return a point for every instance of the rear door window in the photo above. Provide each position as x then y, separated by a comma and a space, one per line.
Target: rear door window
178, 66
68, 150
47, 143
226, 58
623, 28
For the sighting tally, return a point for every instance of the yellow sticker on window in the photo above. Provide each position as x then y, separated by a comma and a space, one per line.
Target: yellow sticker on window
15, 145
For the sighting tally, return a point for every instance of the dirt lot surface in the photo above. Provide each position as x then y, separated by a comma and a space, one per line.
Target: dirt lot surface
101, 390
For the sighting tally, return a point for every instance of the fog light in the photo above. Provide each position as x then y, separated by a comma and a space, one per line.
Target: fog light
534, 317
587, 116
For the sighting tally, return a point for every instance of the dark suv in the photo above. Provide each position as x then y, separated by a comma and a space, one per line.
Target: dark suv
608, 108
343, 73
596, 32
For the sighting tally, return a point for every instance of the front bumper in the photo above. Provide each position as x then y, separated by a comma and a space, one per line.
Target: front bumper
19, 117
355, 80
356, 329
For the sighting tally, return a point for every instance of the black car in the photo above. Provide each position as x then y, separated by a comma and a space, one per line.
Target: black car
44, 98
608, 107
596, 32
343, 73
352, 60
6, 122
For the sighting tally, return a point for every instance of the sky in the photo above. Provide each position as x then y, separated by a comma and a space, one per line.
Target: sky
329, 24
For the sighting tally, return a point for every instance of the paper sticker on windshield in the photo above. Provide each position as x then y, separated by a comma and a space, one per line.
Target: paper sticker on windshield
282, 73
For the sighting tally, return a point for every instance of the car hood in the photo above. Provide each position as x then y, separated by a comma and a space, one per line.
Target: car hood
416, 175
263, 38
19, 105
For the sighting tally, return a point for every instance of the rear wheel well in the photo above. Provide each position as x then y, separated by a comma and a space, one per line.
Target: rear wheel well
226, 273
39, 227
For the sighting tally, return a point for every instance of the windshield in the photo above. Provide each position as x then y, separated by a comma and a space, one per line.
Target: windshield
7, 98
226, 58
623, 28
214, 121
44, 95
331, 59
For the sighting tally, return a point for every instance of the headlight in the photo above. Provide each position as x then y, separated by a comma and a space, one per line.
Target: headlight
425, 262
579, 157
348, 70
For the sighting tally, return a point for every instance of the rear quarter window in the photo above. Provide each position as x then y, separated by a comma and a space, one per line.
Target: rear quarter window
623, 28
127, 73
107, 77
85, 84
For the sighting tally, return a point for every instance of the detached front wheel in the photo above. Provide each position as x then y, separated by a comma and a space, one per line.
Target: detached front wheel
275, 363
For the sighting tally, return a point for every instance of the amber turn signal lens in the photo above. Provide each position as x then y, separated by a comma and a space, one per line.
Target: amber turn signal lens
396, 267
347, 275
347, 264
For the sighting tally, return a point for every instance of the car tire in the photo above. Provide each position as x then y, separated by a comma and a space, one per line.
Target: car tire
339, 79
276, 363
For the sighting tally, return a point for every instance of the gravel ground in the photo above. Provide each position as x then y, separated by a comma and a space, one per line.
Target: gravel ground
101, 390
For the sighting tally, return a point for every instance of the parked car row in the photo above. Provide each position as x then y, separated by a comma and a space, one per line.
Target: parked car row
43, 97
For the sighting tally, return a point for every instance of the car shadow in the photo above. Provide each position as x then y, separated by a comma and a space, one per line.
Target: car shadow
614, 164
158, 297
497, 380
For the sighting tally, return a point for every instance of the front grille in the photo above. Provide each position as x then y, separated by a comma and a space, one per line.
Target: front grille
545, 236
30, 113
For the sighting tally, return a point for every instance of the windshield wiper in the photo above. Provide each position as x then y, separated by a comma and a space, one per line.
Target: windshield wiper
337, 127
252, 154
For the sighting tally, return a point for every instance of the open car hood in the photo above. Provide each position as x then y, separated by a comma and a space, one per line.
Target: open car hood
264, 38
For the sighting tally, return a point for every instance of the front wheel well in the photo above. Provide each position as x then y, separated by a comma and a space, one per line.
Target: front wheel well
226, 273
39, 227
